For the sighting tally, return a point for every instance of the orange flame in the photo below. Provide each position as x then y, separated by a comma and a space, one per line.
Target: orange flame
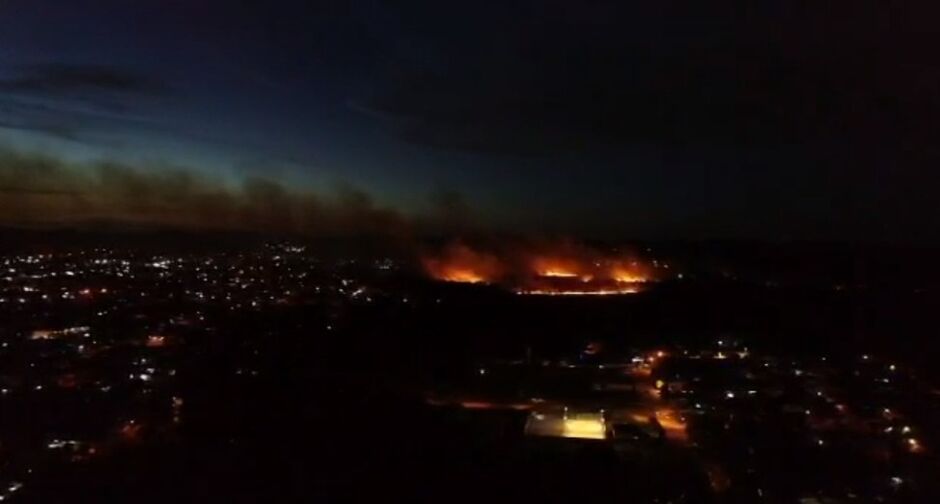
560, 270
460, 263
628, 272
556, 267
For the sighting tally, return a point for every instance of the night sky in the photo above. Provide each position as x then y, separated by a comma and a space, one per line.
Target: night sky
662, 120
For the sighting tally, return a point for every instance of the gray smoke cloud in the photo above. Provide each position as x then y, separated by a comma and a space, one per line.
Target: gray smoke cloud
41, 190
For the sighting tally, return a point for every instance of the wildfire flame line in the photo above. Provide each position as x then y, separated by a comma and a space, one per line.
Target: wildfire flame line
571, 271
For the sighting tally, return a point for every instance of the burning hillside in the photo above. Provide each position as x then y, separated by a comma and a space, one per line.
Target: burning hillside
556, 269
459, 263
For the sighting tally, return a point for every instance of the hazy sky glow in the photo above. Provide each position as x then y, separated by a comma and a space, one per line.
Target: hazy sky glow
590, 118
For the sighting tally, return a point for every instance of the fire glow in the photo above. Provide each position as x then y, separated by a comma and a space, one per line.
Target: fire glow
545, 270
461, 264
597, 292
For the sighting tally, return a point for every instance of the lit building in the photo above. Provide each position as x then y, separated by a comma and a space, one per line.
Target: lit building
565, 424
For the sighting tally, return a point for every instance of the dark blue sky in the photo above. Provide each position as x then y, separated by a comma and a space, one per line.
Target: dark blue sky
768, 120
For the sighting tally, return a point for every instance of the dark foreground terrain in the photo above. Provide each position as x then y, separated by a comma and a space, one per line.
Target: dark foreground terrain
273, 376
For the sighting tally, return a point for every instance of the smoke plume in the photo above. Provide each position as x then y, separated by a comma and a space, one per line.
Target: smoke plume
39, 190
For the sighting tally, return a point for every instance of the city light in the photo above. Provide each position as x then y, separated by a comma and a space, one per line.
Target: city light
584, 428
